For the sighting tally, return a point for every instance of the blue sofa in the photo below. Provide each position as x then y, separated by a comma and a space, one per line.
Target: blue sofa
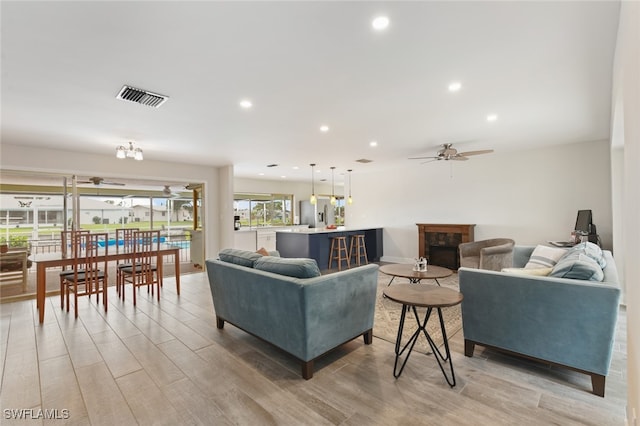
287, 303
561, 321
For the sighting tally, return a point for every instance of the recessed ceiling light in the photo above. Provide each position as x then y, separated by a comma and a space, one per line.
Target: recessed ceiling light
455, 86
492, 117
380, 23
295, 167
373, 143
260, 174
246, 103
283, 177
324, 128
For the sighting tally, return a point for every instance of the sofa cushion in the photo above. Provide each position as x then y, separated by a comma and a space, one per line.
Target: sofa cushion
578, 266
545, 257
291, 267
239, 257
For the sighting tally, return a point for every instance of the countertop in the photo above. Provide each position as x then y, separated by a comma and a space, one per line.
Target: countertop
325, 230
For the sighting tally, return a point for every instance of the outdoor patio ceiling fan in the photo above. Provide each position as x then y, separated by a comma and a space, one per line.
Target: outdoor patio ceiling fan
97, 181
448, 152
167, 192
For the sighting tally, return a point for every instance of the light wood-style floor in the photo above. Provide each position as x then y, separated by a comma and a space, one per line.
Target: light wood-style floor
166, 363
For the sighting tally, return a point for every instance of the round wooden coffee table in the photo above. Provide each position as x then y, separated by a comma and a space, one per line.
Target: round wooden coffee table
430, 297
405, 270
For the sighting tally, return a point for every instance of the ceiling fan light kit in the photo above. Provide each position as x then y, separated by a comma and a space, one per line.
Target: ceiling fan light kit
122, 152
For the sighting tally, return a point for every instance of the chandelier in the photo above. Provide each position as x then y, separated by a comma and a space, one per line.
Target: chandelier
131, 152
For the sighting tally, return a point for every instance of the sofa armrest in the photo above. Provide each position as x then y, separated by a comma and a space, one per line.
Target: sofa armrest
339, 307
565, 321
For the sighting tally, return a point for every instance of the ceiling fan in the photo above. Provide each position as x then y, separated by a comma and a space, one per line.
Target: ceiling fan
97, 181
167, 192
448, 152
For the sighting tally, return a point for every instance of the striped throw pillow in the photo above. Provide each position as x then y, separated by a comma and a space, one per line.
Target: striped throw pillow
545, 257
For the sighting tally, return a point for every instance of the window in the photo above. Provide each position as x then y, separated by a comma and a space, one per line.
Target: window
263, 209
338, 211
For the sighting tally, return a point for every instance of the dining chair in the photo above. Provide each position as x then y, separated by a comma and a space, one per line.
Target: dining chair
124, 235
68, 246
89, 272
144, 270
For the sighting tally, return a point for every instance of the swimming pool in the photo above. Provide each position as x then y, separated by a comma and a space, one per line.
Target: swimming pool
112, 242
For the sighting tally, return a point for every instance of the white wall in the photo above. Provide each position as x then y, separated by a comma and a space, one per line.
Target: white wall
45, 160
530, 196
626, 133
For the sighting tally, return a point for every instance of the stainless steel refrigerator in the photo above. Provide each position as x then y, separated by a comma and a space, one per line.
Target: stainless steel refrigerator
317, 216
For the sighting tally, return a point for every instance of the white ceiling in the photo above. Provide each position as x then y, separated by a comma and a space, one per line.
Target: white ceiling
544, 68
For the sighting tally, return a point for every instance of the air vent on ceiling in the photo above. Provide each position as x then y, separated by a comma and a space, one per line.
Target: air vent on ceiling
364, 161
272, 165
139, 96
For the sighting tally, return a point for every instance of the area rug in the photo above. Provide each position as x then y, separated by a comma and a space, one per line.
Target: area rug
387, 316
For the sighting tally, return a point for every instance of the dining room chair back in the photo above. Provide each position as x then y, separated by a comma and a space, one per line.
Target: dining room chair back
89, 269
68, 247
123, 244
144, 268
124, 239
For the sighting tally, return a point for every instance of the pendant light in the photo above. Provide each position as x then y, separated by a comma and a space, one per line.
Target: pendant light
350, 200
333, 197
313, 199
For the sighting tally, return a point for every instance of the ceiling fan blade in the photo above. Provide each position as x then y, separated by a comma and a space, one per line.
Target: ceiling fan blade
113, 183
423, 158
468, 153
458, 158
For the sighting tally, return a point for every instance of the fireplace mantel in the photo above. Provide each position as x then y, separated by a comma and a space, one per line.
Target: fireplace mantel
447, 236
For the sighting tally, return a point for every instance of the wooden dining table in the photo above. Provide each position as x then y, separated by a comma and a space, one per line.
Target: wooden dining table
51, 260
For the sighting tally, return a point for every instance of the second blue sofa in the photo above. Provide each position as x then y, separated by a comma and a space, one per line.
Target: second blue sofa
287, 303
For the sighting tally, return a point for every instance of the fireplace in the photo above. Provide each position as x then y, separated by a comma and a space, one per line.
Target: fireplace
446, 256
439, 243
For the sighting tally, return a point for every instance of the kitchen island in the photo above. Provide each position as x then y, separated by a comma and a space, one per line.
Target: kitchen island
315, 243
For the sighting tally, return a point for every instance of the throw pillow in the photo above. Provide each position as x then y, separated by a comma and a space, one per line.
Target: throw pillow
291, 267
578, 266
239, 257
540, 272
590, 249
263, 251
545, 257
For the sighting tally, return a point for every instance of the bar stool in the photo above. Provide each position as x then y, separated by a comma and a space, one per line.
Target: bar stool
339, 252
358, 249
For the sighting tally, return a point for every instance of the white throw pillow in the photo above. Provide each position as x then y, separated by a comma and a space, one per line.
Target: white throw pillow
541, 272
545, 257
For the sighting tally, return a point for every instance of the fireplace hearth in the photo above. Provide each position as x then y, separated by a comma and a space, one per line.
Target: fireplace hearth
439, 243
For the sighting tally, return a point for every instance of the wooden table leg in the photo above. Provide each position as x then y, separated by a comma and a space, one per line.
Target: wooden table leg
176, 257
41, 290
